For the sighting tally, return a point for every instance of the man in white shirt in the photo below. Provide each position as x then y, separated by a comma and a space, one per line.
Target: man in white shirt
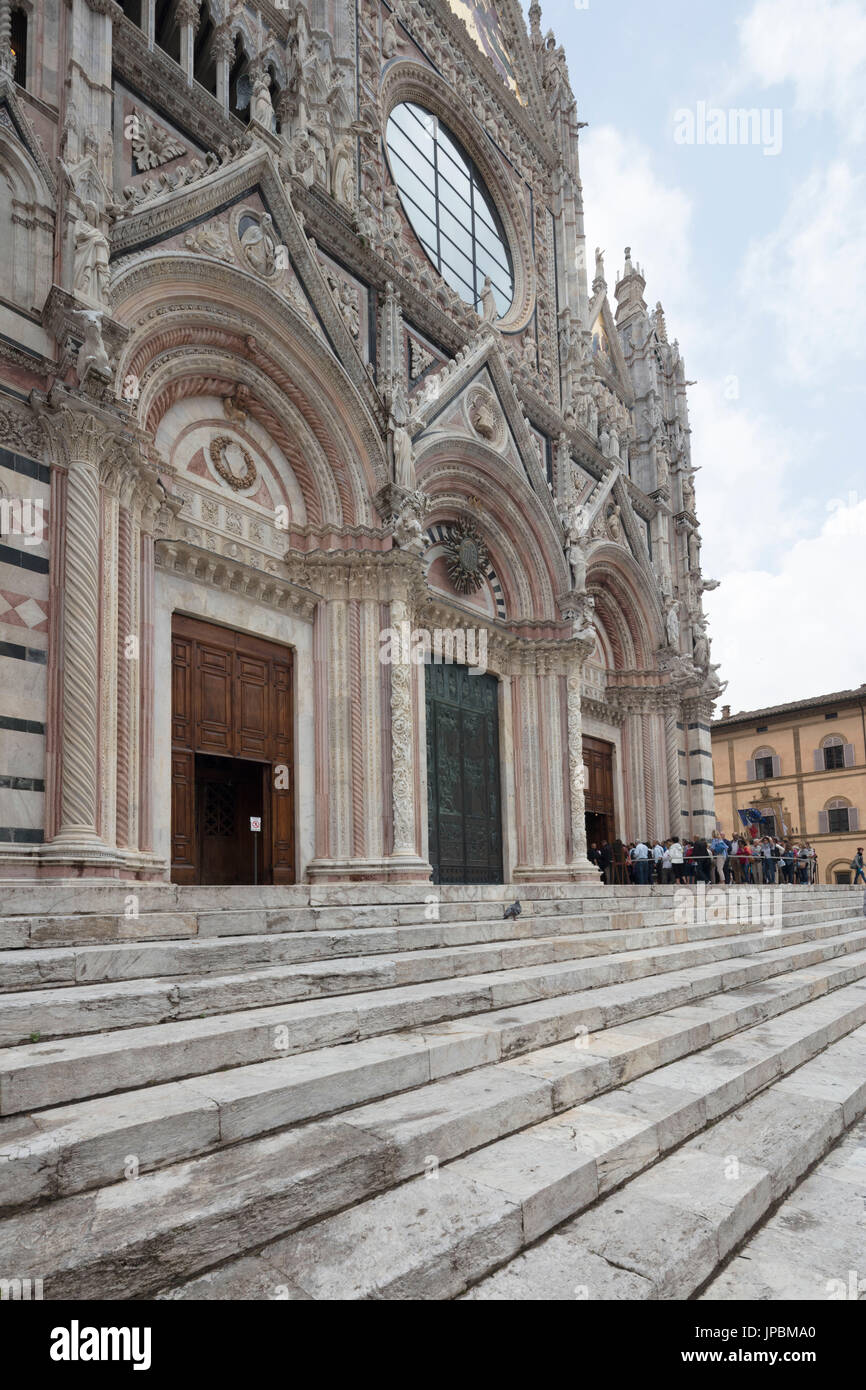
658, 855
641, 856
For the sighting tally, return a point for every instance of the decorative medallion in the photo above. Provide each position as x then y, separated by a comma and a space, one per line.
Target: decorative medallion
466, 556
219, 457
484, 416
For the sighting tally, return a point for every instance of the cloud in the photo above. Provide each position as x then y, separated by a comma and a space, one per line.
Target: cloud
628, 205
817, 45
748, 508
809, 274
795, 632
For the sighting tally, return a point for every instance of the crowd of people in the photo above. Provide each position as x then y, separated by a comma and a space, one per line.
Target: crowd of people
736, 859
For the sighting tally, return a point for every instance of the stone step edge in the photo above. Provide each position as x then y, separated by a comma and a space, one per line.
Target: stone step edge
213, 1124
213, 947
574, 1198
766, 1190
662, 960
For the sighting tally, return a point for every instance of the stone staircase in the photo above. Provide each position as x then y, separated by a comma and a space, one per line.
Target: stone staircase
392, 1092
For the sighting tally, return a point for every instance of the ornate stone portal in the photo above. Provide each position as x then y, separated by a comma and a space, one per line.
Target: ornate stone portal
243, 392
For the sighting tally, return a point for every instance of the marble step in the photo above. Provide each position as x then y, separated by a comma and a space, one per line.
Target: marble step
668, 1233
41, 1074
62, 1009
158, 1229
614, 908
81, 927
91, 964
61, 1150
37, 1075
825, 1212
433, 1236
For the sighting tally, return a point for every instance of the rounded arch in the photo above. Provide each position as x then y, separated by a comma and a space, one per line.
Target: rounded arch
408, 80
832, 741
765, 751
26, 226
838, 866
627, 607
206, 328
838, 803
525, 551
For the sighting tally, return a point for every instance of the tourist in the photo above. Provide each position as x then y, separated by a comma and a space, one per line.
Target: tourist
703, 860
619, 862
719, 851
658, 855
666, 864
858, 867
641, 862
675, 853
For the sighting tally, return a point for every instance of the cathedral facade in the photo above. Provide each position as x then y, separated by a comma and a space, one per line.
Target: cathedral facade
349, 523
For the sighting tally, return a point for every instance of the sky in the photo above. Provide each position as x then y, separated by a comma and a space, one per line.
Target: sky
757, 251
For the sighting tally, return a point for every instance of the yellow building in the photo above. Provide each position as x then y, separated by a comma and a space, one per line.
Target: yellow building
803, 766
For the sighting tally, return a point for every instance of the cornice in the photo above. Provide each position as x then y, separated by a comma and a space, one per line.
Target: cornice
179, 557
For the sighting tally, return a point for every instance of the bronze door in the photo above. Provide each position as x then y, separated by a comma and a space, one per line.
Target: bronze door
463, 791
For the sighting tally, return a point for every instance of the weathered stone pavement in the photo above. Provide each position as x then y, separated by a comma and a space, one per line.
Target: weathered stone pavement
280, 1093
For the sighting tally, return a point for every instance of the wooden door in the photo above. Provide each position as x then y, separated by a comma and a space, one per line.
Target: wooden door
598, 794
232, 701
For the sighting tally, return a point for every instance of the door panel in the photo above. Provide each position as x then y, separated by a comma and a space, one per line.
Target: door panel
214, 699
463, 788
183, 840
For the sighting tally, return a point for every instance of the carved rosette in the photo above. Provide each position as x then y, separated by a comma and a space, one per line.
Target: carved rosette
466, 556
402, 743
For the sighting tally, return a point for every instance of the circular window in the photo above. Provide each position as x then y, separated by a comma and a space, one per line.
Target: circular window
448, 207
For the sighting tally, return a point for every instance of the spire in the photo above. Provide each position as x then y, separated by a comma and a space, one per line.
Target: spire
629, 290
535, 22
660, 325
599, 284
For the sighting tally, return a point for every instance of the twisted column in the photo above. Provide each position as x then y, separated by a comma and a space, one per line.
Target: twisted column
672, 756
80, 647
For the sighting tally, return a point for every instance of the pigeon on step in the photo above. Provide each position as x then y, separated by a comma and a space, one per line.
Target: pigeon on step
513, 911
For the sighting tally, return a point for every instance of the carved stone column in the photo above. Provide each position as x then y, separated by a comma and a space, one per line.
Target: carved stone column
6, 63
581, 868
187, 21
402, 746
672, 760
223, 50
77, 744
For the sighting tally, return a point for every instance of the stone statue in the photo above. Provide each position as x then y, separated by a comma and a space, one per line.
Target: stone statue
262, 106
489, 311
259, 246
389, 37
584, 626
599, 263
672, 624
702, 646
90, 277
92, 356
401, 443
614, 525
